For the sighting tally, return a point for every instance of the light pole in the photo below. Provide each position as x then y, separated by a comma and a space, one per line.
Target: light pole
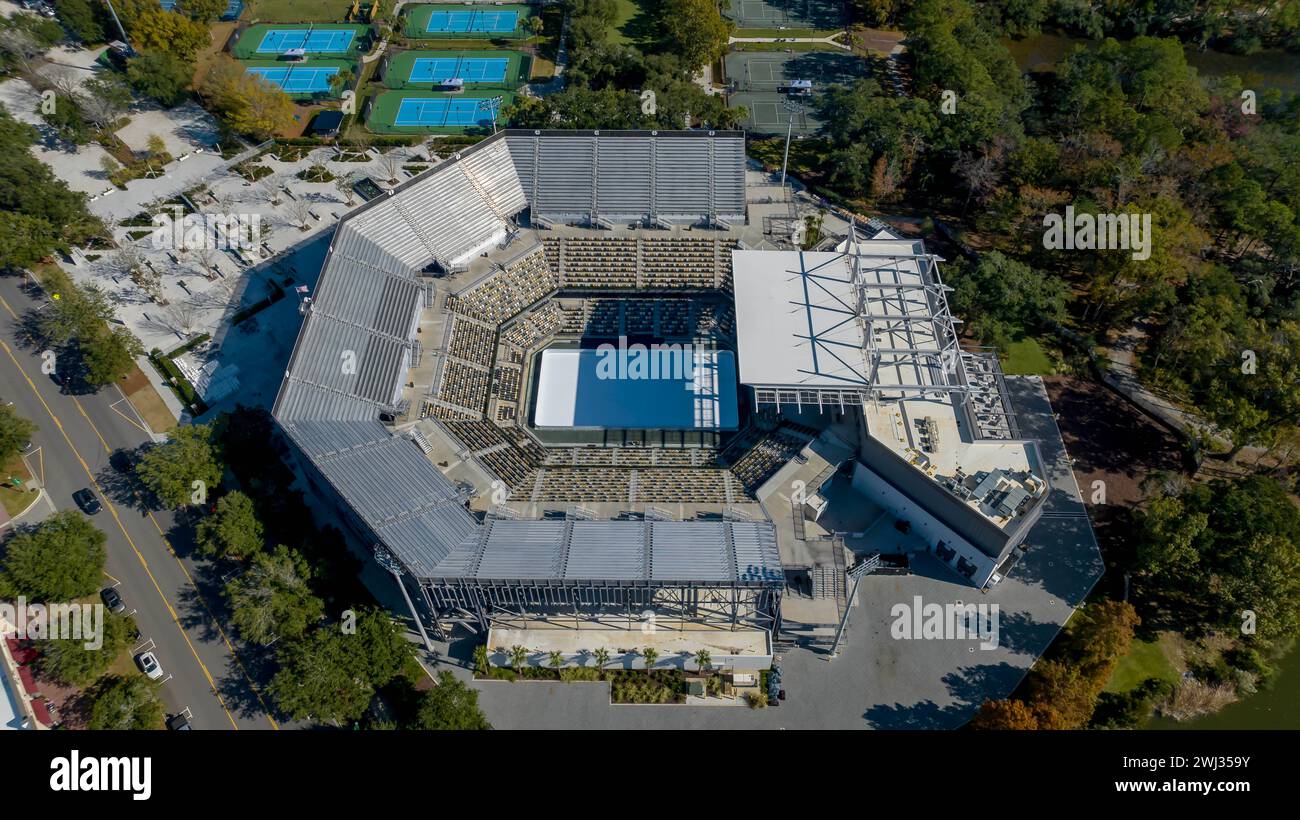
795, 109
120, 30
491, 104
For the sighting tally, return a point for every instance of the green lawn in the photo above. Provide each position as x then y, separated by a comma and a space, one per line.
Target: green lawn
1026, 357
298, 11
1145, 659
621, 33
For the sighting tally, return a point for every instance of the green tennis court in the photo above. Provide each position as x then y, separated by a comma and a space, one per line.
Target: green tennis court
424, 112
265, 41
424, 69
433, 22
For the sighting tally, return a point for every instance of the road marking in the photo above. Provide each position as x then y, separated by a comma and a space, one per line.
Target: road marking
185, 571
129, 420
113, 510
110, 577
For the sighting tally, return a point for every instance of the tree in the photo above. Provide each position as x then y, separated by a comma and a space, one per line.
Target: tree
60, 559
451, 705
29, 188
601, 655
171, 469
555, 659
247, 103
272, 598
651, 655
317, 678
25, 240
155, 29
104, 99
232, 531
69, 661
156, 146
1005, 714
15, 432
78, 312
204, 11
109, 355
1002, 298
161, 76
703, 660
344, 184
125, 703
81, 20
518, 656
695, 30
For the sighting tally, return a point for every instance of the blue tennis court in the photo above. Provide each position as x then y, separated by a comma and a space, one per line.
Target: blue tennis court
469, 69
488, 22
298, 79
313, 41
439, 111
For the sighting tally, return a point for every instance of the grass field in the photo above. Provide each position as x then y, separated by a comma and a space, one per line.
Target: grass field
15, 499
1145, 659
298, 11
1026, 357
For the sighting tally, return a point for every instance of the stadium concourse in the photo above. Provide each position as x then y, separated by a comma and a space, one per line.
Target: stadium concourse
437, 398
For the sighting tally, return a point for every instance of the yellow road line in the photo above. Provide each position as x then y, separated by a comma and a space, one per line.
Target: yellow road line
113, 510
110, 577
185, 571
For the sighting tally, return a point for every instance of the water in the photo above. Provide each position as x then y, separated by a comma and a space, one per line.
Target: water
1259, 71
1276, 708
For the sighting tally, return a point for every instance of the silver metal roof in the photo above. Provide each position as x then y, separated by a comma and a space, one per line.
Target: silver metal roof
354, 348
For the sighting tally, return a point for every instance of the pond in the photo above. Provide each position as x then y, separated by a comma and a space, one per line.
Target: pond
1276, 708
1272, 67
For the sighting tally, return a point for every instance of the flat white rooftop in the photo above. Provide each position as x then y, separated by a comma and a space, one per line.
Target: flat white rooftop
808, 319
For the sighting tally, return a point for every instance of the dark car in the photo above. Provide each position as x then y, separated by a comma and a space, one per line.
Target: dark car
87, 501
179, 723
112, 599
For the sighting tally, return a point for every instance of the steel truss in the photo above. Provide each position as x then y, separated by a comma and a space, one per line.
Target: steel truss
906, 326
480, 603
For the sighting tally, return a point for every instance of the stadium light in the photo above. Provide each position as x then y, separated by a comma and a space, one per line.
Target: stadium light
491, 104
795, 109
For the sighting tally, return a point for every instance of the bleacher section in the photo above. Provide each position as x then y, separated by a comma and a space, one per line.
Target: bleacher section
640, 263
767, 456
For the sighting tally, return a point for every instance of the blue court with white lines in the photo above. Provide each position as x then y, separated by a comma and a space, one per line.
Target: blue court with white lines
298, 79
483, 22
469, 69
318, 41
441, 111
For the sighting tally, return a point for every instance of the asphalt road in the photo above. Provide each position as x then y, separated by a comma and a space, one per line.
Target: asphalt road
173, 597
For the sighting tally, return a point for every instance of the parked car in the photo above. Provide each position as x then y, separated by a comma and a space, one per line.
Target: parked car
148, 663
87, 501
179, 723
112, 599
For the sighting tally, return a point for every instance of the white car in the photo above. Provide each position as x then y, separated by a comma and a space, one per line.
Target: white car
149, 665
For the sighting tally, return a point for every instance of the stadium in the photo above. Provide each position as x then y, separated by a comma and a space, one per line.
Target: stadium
593, 380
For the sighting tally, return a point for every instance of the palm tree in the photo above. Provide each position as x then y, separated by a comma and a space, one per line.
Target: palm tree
518, 658
703, 660
556, 659
602, 657
481, 659
651, 655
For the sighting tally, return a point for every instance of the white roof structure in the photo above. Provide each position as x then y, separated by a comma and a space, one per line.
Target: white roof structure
867, 319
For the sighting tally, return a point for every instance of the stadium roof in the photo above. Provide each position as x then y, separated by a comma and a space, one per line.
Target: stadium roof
870, 316
622, 176
355, 347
